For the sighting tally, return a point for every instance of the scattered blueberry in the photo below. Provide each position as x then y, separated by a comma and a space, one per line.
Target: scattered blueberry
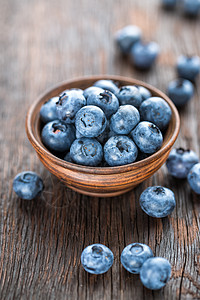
97, 259
188, 67
145, 94
191, 7
120, 150
155, 273
126, 37
134, 255
92, 90
147, 137
86, 151
157, 111
180, 162
108, 85
27, 185
58, 136
180, 91
130, 94
157, 201
194, 178
169, 3
48, 111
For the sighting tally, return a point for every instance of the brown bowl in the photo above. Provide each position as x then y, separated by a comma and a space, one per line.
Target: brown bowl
99, 181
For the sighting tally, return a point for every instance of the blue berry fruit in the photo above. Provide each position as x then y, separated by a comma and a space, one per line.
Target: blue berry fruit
58, 136
120, 150
92, 90
68, 158
145, 93
180, 162
48, 111
157, 201
86, 151
194, 178
191, 7
169, 3
188, 67
147, 137
180, 91
155, 273
157, 111
97, 259
126, 37
27, 185
134, 255
108, 85
130, 94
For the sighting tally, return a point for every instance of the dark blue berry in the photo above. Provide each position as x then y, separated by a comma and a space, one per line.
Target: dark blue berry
191, 7
130, 94
180, 91
92, 90
126, 37
188, 67
169, 3
145, 93
48, 111
108, 85
68, 158
194, 178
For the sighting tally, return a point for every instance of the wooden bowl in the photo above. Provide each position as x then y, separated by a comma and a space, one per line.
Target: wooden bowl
99, 181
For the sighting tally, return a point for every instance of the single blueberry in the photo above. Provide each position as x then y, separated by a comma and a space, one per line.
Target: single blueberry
144, 55
90, 121
157, 111
169, 3
70, 101
27, 185
86, 151
180, 162
147, 137
188, 67
68, 158
108, 85
92, 90
58, 136
155, 273
120, 150
106, 100
125, 119
134, 255
157, 201
191, 7
144, 92
48, 111
194, 178
97, 259
130, 94
126, 37
180, 91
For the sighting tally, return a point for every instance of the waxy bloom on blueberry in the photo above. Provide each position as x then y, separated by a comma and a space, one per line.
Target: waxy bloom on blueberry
188, 67
180, 91
48, 111
194, 178
126, 37
130, 94
107, 84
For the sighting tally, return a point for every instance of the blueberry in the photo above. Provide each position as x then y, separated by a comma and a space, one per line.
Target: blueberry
108, 85
58, 136
180, 162
191, 7
70, 101
120, 150
180, 91
188, 67
97, 259
27, 185
145, 93
169, 3
92, 90
129, 94
134, 255
155, 273
90, 121
106, 100
86, 151
103, 137
157, 111
126, 37
48, 111
157, 201
125, 119
147, 137
144, 55
68, 158
194, 178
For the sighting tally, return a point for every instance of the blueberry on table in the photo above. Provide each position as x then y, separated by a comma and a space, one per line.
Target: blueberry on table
147, 137
134, 255
106, 100
191, 7
188, 67
97, 259
48, 111
130, 94
70, 101
126, 37
157, 201
90, 121
169, 3
108, 85
180, 161
92, 90
58, 136
144, 92
194, 178
157, 111
86, 151
155, 273
180, 91
27, 185
144, 55
120, 150
125, 119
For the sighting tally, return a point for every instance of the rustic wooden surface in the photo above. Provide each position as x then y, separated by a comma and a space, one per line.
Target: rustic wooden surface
42, 43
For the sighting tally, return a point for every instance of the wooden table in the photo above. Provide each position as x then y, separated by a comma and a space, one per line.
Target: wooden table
42, 43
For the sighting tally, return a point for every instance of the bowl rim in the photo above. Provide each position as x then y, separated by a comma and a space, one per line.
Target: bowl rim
100, 170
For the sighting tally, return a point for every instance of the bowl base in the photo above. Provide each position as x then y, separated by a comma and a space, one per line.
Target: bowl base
102, 195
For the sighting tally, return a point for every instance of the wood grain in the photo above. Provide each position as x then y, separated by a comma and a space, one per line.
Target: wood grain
42, 43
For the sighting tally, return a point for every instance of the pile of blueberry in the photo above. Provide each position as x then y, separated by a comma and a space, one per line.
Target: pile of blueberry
189, 7
104, 125
136, 258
